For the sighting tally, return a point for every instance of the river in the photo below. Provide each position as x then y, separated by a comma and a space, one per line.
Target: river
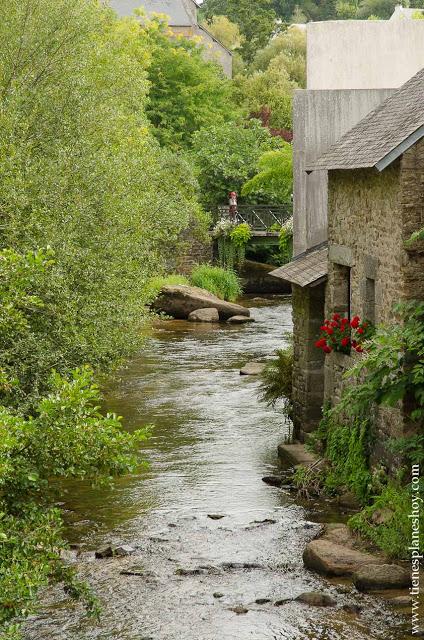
212, 443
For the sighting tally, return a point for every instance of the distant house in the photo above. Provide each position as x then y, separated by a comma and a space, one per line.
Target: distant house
375, 203
183, 20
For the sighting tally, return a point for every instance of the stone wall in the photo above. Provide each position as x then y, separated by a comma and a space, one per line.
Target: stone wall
195, 249
371, 214
412, 203
308, 374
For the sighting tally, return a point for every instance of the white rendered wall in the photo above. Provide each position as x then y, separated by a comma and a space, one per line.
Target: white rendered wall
363, 54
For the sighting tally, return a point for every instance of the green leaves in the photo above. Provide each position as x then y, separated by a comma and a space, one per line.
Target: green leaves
274, 180
226, 156
186, 92
393, 368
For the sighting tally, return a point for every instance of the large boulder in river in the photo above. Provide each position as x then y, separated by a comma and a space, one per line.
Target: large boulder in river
333, 559
179, 301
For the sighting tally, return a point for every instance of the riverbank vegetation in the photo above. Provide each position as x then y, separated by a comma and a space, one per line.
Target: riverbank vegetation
223, 283
389, 374
277, 381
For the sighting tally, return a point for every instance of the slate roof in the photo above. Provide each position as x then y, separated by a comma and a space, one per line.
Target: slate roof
175, 9
306, 269
384, 131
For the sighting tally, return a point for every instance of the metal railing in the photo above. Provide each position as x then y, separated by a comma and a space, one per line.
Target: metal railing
260, 217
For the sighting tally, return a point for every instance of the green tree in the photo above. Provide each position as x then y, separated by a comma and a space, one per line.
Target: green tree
274, 179
256, 19
287, 51
225, 31
227, 156
271, 91
378, 8
82, 173
186, 92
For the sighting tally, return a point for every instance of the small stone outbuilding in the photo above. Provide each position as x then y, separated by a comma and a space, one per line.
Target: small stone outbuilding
375, 203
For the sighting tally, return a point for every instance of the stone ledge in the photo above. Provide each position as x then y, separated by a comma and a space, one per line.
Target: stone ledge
296, 454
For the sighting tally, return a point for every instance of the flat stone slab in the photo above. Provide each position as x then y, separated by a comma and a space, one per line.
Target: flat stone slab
373, 577
204, 315
240, 320
252, 369
294, 454
332, 559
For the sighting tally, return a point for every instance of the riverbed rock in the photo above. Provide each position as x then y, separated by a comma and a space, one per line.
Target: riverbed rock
262, 600
252, 369
316, 599
239, 610
137, 570
282, 602
204, 315
401, 601
352, 608
188, 572
123, 550
332, 559
372, 577
240, 320
179, 301
273, 481
104, 552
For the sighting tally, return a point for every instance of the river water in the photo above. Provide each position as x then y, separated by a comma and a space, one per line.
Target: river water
212, 443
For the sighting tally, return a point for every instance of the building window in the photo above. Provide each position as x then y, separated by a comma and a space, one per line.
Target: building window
342, 289
370, 300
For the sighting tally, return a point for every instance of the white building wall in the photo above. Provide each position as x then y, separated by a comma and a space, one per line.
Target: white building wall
363, 54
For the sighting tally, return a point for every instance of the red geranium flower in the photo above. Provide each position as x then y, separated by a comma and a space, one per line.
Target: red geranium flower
327, 349
345, 342
355, 322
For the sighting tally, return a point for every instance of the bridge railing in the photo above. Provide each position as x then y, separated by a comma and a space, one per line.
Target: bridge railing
260, 217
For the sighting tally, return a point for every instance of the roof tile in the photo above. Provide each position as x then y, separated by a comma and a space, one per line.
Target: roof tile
381, 131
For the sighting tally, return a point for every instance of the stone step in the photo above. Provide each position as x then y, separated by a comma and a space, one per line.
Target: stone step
296, 454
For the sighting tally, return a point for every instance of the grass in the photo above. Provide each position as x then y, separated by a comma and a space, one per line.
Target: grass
154, 285
221, 282
276, 380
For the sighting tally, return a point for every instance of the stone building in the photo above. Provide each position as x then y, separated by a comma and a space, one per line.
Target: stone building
352, 67
375, 203
183, 20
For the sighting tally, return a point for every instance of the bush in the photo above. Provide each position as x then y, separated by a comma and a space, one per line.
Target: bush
276, 380
393, 536
221, 282
66, 436
154, 285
